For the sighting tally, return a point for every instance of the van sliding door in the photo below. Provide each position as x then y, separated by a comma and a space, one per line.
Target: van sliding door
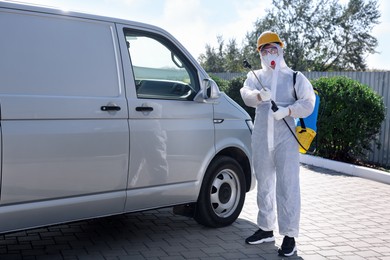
64, 115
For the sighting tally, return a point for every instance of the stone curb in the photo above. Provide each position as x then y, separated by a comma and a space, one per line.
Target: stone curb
350, 169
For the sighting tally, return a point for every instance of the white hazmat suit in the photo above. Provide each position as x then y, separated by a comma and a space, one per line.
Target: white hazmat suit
275, 150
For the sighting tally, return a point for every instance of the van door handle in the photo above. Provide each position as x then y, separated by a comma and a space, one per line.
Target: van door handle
110, 108
143, 109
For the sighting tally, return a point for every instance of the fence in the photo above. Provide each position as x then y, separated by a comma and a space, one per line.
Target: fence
380, 83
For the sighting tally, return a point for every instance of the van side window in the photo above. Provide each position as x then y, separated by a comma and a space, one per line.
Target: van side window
160, 70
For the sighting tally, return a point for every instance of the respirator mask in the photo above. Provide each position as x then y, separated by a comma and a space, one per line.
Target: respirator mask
271, 55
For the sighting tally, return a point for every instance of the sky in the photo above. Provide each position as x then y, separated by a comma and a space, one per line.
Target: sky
196, 23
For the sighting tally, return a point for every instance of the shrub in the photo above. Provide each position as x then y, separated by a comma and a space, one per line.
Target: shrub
350, 118
233, 91
222, 84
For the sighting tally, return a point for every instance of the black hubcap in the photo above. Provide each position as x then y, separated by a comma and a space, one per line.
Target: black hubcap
225, 192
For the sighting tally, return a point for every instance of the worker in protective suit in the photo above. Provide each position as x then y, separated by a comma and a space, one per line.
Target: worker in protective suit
275, 150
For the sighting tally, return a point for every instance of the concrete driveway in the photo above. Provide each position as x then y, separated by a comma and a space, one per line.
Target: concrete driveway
343, 217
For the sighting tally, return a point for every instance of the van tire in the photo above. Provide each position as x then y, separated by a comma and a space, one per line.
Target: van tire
222, 194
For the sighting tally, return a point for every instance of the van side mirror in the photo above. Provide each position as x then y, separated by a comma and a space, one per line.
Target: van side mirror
209, 90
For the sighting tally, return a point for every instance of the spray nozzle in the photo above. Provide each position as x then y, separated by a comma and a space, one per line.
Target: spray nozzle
246, 64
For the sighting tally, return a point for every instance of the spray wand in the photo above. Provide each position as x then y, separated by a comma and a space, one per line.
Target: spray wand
246, 64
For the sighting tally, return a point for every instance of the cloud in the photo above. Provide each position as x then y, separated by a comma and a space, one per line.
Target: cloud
381, 31
198, 22
181, 11
188, 21
248, 12
126, 2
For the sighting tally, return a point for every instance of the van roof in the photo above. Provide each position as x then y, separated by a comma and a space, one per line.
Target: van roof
22, 6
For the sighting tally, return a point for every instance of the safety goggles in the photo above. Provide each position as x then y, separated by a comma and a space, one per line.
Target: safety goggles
271, 50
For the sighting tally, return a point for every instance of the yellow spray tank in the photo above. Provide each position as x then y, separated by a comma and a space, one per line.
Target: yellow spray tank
306, 128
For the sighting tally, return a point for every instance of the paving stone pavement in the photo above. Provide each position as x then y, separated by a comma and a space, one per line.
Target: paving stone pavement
343, 217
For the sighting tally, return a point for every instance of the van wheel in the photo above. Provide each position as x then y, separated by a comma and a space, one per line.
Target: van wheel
222, 193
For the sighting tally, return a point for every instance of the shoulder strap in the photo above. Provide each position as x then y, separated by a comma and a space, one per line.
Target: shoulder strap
295, 80
296, 97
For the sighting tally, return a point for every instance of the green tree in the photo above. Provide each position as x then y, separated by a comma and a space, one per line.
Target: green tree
320, 35
213, 60
232, 57
226, 58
